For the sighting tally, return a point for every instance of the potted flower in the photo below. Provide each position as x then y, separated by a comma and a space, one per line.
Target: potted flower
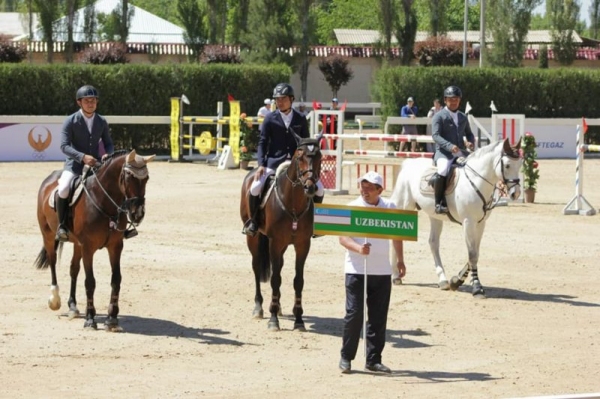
531, 174
248, 141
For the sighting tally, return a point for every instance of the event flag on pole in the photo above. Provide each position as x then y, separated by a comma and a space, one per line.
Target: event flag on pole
585, 126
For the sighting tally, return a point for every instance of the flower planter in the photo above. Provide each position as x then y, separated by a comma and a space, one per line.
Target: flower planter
244, 165
530, 195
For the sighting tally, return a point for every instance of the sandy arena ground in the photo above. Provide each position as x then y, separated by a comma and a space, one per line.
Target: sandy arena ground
187, 298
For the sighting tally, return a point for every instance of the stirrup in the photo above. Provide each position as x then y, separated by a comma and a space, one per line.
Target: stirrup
62, 235
248, 230
441, 209
130, 233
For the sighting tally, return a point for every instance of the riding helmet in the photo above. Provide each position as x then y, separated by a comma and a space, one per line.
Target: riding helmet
283, 90
87, 91
452, 91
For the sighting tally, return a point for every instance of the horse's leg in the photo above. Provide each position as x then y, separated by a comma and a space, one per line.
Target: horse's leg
302, 250
90, 286
276, 255
114, 255
434, 244
74, 271
50, 246
473, 234
259, 248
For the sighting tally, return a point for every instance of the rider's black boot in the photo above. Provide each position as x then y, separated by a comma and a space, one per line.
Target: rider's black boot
440, 201
250, 228
62, 205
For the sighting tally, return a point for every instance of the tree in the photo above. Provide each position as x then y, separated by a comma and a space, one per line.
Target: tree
70, 7
89, 21
336, 71
508, 21
563, 14
543, 59
192, 17
48, 12
306, 17
269, 30
387, 16
345, 14
115, 26
438, 19
217, 17
595, 18
237, 22
406, 31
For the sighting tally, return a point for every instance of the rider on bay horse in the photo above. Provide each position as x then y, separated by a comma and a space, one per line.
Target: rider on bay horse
277, 143
450, 128
80, 137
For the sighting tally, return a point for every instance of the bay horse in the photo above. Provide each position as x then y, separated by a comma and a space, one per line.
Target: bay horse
470, 200
285, 218
112, 198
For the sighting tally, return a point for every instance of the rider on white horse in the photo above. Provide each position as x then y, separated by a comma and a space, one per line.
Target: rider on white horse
452, 134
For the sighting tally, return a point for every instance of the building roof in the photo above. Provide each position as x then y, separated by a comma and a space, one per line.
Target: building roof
144, 28
13, 24
363, 36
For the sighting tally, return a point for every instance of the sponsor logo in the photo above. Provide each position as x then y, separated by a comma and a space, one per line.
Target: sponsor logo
39, 145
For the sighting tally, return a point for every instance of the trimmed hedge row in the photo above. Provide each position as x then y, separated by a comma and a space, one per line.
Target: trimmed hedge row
537, 93
136, 90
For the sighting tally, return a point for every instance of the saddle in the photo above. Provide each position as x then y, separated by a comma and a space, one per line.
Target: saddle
270, 183
74, 192
427, 181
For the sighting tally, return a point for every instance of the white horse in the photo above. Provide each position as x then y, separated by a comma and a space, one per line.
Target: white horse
470, 200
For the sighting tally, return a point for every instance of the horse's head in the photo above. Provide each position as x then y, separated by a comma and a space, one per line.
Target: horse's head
510, 167
308, 165
133, 179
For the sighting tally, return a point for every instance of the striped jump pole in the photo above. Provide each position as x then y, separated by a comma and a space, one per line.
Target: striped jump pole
578, 204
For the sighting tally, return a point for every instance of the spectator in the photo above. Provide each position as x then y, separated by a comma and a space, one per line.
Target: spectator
409, 111
437, 107
264, 110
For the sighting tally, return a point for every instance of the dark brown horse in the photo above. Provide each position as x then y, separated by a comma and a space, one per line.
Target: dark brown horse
112, 198
286, 219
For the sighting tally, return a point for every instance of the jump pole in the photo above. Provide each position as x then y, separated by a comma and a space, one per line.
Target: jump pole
579, 205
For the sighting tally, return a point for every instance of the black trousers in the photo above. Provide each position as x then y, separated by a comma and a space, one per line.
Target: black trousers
378, 302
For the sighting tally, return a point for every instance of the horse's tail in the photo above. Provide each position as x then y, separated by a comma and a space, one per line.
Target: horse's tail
264, 259
43, 261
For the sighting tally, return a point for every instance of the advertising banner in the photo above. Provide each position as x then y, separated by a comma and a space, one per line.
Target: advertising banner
30, 142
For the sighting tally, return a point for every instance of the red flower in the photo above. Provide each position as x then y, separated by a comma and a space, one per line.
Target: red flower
244, 149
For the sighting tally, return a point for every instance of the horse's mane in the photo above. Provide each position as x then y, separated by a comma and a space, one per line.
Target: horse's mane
109, 158
485, 150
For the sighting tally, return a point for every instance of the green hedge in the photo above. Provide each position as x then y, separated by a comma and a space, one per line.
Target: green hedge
136, 90
537, 93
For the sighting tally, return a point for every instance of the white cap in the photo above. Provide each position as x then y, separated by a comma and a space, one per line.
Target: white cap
372, 177
267, 101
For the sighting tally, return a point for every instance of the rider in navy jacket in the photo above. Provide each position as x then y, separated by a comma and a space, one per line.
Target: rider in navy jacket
279, 136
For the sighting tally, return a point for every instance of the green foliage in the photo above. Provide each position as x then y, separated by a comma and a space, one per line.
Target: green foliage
249, 135
563, 14
345, 14
9, 52
165, 9
439, 51
237, 20
543, 58
336, 71
219, 55
530, 170
406, 31
116, 53
128, 89
112, 26
191, 16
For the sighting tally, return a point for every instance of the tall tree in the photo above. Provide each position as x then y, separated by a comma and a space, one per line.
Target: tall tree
595, 18
192, 17
438, 19
406, 30
48, 12
9, 5
237, 22
563, 14
306, 17
90, 22
269, 30
70, 7
387, 17
345, 14
125, 20
217, 17
508, 21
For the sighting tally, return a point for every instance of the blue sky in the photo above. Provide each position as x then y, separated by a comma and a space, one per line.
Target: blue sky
584, 12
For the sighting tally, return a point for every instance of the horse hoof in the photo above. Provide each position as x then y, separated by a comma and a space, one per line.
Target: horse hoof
73, 313
90, 325
455, 282
258, 314
54, 303
444, 286
113, 328
274, 326
299, 327
479, 293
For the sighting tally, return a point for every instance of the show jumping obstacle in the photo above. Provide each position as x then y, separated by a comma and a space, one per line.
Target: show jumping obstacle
579, 205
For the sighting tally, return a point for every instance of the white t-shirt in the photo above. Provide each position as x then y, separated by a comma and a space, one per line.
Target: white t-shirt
264, 111
378, 261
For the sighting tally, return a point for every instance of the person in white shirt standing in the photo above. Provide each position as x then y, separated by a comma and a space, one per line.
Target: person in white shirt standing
379, 284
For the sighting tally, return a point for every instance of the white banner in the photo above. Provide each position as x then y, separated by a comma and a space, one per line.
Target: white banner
30, 142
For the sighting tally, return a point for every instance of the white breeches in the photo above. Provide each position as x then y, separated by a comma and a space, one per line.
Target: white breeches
257, 185
443, 164
64, 183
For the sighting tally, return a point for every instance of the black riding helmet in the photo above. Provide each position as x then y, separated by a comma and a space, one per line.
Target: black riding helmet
283, 90
87, 91
452, 91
